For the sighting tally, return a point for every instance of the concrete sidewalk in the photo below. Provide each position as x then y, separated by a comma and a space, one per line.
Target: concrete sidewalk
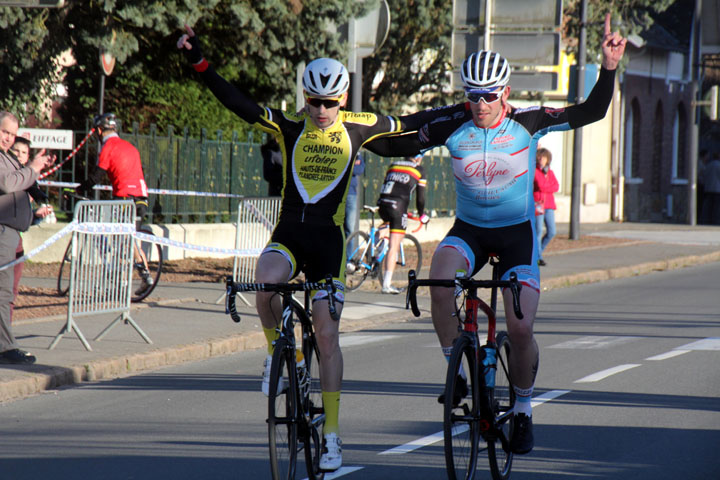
186, 324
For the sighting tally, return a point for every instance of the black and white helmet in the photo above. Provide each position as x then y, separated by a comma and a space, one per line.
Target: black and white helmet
485, 69
325, 77
106, 121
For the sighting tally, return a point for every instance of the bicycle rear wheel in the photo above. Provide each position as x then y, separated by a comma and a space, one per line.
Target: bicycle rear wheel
460, 421
153, 254
409, 258
357, 259
283, 413
63, 280
503, 401
311, 397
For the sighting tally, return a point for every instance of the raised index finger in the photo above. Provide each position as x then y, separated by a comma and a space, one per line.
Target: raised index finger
608, 29
189, 31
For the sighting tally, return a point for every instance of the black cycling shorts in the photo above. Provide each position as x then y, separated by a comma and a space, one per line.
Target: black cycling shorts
394, 214
141, 209
316, 250
515, 245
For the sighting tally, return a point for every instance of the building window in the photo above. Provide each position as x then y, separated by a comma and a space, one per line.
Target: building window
657, 150
632, 142
679, 159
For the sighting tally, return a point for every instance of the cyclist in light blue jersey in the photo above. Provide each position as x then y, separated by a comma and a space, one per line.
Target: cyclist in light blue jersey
493, 147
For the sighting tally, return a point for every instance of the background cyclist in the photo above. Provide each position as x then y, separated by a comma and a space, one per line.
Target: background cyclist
120, 161
319, 145
402, 179
493, 150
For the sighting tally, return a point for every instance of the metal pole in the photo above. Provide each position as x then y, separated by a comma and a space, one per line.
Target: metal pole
356, 84
696, 74
577, 148
102, 94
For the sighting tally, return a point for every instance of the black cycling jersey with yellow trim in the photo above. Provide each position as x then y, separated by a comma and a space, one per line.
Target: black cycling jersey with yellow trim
317, 163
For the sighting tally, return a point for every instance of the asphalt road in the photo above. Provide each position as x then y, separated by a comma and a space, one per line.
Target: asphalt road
628, 388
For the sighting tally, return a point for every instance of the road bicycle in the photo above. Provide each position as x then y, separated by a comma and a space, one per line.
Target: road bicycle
150, 259
366, 252
480, 406
295, 410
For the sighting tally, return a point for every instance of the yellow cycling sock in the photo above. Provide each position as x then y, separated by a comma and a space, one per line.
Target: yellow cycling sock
331, 402
271, 334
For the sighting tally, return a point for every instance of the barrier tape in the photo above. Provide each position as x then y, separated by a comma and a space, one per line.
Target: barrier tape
115, 229
72, 154
188, 193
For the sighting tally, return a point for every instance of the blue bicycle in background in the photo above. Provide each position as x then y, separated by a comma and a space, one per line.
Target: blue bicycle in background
366, 252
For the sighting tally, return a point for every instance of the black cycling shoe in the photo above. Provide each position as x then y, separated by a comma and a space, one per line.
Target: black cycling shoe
17, 357
522, 439
461, 391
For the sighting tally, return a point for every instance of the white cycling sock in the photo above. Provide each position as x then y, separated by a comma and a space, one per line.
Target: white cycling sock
523, 400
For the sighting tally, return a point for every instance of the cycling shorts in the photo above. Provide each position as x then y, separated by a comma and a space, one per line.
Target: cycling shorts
141, 209
515, 245
391, 213
317, 250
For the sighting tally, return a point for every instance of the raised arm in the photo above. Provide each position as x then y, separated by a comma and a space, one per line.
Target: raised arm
232, 98
597, 103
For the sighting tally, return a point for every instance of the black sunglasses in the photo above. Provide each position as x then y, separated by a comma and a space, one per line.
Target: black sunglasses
325, 102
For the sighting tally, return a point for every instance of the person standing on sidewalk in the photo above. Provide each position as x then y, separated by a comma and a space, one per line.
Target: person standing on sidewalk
402, 179
352, 207
711, 203
544, 187
21, 150
15, 216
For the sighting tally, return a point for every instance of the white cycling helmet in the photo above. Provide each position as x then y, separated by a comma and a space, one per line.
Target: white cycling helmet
325, 77
485, 69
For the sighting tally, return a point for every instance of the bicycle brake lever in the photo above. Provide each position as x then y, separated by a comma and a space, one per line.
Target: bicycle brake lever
230, 294
331, 289
411, 297
515, 288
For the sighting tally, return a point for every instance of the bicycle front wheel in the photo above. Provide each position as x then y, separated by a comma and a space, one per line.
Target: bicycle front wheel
143, 285
358, 260
311, 396
503, 401
63, 280
283, 413
461, 413
409, 258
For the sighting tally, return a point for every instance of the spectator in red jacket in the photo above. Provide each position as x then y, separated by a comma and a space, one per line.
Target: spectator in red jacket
545, 185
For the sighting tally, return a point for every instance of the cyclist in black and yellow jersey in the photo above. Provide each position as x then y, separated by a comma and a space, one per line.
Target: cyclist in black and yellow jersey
319, 146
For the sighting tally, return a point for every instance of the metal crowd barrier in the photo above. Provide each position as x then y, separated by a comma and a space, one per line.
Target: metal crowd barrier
257, 217
101, 266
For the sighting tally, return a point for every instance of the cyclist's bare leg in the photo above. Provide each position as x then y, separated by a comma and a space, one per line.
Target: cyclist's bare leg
272, 267
391, 258
525, 352
328, 339
446, 261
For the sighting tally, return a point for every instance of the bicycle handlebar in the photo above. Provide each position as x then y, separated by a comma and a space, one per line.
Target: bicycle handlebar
282, 288
465, 283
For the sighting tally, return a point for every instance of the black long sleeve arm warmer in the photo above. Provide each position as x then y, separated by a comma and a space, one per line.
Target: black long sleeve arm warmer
230, 96
405, 145
597, 103
420, 200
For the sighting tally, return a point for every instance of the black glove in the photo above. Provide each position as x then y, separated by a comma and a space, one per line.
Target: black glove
193, 55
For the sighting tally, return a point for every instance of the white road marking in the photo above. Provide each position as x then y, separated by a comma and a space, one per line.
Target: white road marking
547, 396
358, 313
439, 436
596, 377
594, 342
666, 355
353, 340
711, 343
340, 472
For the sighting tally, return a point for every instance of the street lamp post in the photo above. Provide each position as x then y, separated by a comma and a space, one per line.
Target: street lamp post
577, 147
